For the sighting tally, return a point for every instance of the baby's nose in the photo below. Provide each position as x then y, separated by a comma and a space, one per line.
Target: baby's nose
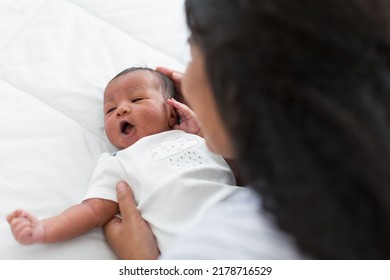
123, 110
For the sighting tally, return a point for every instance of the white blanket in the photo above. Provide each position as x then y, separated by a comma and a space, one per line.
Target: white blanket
56, 57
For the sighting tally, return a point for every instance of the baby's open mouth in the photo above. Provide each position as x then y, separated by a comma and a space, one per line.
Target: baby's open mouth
126, 127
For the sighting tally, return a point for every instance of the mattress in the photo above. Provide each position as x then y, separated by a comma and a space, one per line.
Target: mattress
56, 58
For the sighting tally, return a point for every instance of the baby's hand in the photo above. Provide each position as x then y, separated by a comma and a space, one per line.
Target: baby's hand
26, 228
188, 120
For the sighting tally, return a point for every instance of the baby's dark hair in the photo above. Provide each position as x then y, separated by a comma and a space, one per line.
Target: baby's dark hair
167, 85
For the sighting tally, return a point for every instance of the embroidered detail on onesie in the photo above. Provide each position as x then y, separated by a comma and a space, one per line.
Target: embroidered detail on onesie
168, 149
187, 160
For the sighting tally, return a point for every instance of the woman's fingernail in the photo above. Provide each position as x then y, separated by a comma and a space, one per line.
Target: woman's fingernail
176, 75
121, 186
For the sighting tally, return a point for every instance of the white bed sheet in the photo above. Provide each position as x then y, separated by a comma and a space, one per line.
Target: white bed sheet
55, 59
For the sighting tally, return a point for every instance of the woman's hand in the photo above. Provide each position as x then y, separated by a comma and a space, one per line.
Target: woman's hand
175, 76
130, 237
188, 120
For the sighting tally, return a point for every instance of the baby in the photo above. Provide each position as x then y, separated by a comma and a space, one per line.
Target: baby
173, 175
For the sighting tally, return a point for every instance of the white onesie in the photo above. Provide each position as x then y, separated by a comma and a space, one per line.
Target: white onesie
175, 179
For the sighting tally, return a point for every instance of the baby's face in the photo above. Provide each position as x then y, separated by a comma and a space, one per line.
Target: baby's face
134, 108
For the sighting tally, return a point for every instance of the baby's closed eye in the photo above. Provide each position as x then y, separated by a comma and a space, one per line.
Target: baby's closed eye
138, 99
110, 110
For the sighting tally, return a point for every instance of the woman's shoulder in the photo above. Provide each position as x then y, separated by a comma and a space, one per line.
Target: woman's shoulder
236, 228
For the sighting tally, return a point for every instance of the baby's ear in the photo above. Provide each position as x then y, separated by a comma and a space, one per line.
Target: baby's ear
173, 117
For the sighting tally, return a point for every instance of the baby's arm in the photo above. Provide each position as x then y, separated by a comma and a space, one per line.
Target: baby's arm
73, 222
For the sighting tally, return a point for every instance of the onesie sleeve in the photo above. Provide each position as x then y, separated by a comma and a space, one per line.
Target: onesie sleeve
108, 172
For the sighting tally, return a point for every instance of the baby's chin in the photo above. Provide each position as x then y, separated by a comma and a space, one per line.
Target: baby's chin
125, 144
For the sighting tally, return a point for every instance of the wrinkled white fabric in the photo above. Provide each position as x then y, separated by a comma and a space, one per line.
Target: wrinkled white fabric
56, 58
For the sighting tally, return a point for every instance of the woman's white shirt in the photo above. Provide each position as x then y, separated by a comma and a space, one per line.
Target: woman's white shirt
236, 228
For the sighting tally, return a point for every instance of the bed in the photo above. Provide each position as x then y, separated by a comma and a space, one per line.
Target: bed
55, 59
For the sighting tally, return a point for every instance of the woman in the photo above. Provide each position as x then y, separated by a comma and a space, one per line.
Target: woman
298, 92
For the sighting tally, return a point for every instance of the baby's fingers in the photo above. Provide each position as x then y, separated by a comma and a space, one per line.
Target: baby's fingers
23, 230
25, 236
24, 233
14, 214
18, 224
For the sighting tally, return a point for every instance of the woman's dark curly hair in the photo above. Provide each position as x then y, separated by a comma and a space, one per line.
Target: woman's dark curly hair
304, 89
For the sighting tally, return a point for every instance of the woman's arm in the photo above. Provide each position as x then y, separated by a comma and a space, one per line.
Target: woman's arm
73, 222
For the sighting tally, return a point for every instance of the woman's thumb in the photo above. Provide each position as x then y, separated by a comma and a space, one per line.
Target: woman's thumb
126, 202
